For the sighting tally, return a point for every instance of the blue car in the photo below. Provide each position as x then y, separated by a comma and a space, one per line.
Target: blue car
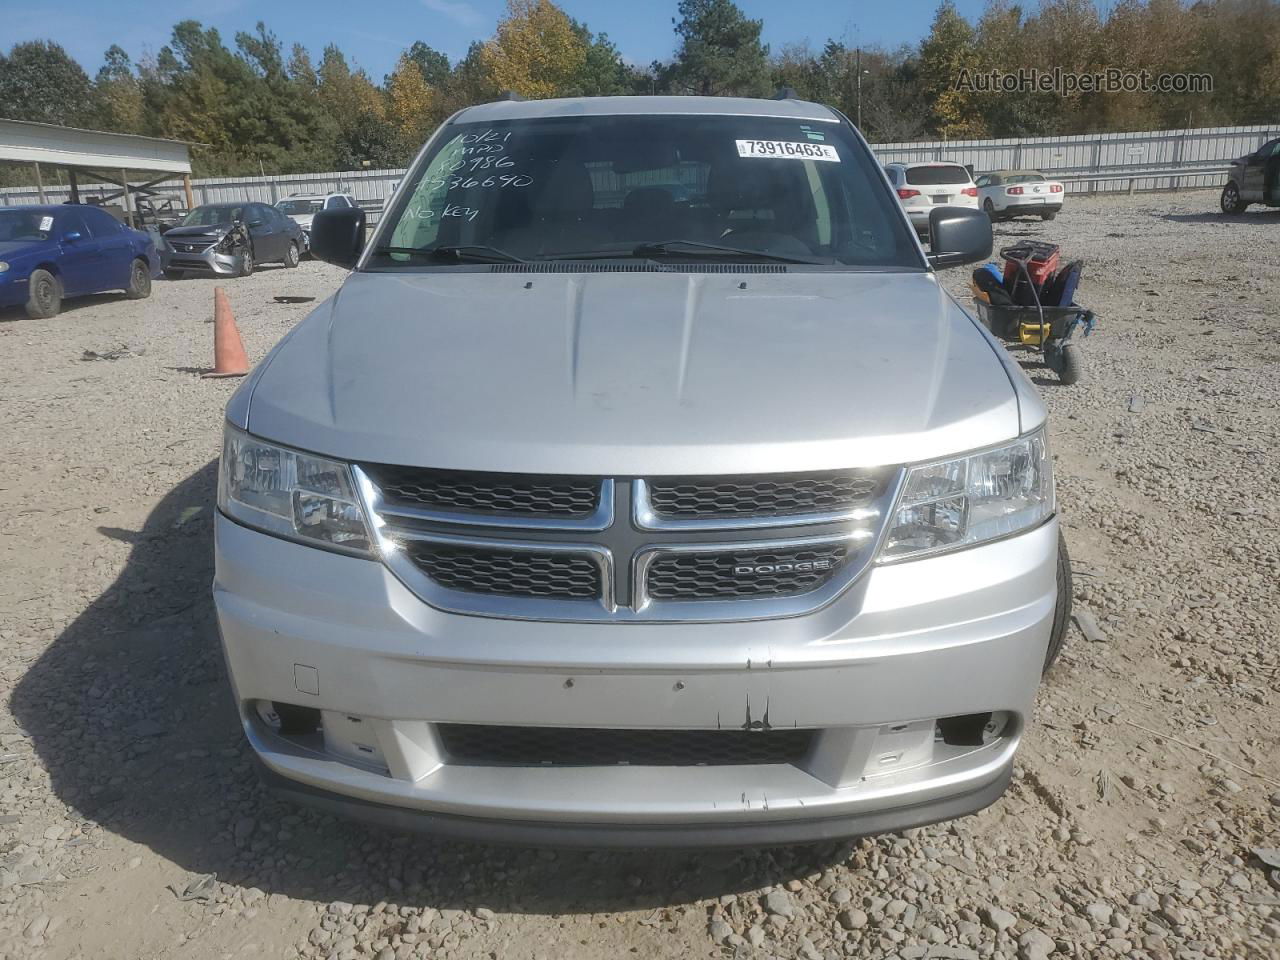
51, 252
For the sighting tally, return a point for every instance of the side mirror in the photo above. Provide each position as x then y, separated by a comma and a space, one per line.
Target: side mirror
71, 236
958, 235
337, 236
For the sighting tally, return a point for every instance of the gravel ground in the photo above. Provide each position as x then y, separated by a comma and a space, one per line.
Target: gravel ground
132, 826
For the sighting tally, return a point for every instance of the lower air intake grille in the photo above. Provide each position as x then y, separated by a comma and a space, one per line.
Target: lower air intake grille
744, 575
777, 495
485, 745
491, 493
510, 573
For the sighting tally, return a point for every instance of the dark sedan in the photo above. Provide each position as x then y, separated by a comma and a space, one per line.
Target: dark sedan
1253, 179
231, 239
48, 253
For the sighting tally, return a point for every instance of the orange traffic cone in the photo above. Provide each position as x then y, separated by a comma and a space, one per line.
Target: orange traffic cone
229, 359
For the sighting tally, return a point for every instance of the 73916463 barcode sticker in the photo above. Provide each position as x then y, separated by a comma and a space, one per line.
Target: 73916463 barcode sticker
787, 149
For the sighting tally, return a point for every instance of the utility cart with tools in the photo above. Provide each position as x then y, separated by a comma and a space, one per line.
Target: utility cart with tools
1032, 302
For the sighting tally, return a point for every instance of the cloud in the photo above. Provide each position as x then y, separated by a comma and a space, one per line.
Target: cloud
459, 11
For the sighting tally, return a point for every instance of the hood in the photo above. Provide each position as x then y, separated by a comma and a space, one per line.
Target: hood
208, 233
636, 373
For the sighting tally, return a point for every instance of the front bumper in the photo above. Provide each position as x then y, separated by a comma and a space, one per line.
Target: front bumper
906, 644
208, 261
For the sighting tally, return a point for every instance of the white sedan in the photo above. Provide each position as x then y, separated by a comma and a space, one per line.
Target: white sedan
1015, 193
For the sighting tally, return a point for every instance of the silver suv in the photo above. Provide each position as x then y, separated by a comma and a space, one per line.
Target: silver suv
641, 485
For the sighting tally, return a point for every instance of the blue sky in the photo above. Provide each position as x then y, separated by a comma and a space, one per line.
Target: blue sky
373, 34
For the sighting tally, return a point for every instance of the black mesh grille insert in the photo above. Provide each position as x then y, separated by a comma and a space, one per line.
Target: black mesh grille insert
777, 495
490, 493
485, 745
509, 573
744, 575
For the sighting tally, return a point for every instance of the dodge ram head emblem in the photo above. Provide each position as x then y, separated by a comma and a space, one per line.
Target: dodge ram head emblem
767, 569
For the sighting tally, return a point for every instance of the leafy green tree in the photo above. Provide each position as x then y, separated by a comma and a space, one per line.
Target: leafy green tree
117, 94
720, 51
301, 71
536, 51
603, 72
433, 64
470, 81
413, 107
946, 55
39, 81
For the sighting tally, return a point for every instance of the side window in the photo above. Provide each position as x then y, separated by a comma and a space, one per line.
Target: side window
99, 222
71, 220
1274, 151
334, 203
983, 181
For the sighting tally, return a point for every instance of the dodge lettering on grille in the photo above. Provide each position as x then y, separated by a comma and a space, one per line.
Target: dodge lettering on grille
762, 569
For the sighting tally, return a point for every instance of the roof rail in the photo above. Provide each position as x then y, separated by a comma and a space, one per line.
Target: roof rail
511, 95
786, 93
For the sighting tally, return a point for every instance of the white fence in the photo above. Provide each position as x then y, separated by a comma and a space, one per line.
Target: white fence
1103, 161
1159, 160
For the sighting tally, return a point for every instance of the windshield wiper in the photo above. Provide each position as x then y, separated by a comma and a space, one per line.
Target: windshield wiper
465, 253
697, 247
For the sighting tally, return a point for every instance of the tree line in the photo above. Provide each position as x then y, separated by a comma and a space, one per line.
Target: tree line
254, 107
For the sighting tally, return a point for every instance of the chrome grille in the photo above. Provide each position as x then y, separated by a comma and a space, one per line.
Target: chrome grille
511, 573
742, 575
702, 498
492, 493
490, 745
594, 548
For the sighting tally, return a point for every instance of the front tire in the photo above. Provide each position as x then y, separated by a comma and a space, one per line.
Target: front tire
1062, 611
292, 256
1231, 201
989, 209
246, 262
44, 295
139, 281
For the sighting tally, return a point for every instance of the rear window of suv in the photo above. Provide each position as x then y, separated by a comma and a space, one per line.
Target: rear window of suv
564, 188
931, 176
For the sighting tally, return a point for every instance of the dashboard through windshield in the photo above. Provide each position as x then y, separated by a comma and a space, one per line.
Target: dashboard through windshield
732, 188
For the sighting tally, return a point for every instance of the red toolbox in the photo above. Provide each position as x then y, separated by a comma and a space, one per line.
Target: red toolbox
1041, 260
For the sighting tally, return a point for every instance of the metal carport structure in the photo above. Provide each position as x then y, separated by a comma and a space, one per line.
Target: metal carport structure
95, 151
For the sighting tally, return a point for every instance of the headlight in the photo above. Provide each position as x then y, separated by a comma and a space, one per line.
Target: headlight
291, 494
229, 241
4, 267
970, 500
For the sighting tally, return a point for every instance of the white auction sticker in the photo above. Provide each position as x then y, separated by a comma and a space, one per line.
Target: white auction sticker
794, 150
46, 224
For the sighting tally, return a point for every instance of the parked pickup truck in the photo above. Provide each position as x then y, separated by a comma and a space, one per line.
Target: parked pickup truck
640, 485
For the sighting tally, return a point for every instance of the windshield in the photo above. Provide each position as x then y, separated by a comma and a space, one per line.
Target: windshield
930, 176
214, 215
750, 189
299, 206
25, 225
